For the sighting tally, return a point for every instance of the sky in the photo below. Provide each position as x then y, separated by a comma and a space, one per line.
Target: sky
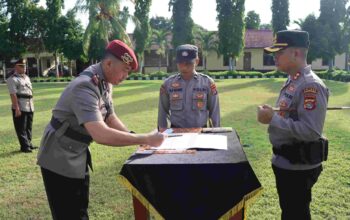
204, 11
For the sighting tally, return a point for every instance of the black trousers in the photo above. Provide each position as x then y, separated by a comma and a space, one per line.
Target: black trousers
294, 191
23, 126
68, 197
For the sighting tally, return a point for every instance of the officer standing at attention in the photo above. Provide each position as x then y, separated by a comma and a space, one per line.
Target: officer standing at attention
296, 130
188, 99
84, 113
21, 92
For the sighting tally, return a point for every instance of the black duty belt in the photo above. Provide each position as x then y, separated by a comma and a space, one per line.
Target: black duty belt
22, 96
304, 152
56, 124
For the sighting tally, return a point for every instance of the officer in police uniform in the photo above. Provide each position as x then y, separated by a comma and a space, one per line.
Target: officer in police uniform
21, 93
84, 113
296, 130
188, 99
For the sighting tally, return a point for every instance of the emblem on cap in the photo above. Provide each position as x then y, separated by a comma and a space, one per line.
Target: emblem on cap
184, 54
127, 58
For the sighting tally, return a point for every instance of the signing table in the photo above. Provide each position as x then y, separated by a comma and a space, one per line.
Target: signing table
206, 184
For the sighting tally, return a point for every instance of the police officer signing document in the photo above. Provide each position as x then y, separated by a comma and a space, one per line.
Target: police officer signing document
188, 99
20, 89
296, 130
84, 113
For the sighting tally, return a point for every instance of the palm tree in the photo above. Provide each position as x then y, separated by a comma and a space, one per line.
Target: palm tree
105, 21
160, 38
207, 41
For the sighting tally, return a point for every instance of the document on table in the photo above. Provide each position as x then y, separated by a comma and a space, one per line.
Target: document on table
182, 141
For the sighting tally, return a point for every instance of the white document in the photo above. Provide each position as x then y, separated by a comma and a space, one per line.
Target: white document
183, 141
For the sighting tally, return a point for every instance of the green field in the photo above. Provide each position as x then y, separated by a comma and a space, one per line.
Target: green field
22, 194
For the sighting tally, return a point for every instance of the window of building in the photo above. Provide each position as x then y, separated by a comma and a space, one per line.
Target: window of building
268, 60
226, 60
152, 59
325, 62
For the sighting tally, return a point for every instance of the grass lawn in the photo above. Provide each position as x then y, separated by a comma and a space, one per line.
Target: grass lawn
22, 194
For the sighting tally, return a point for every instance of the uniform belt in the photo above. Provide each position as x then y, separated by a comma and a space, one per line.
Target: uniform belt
56, 124
24, 96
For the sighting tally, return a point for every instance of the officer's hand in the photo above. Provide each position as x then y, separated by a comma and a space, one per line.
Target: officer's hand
155, 139
18, 113
264, 114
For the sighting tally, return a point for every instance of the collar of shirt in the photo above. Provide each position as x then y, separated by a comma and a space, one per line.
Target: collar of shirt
195, 75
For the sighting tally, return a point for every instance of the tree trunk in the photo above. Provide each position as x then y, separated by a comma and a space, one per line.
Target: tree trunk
38, 65
347, 68
205, 64
4, 69
56, 64
330, 64
160, 63
232, 63
70, 68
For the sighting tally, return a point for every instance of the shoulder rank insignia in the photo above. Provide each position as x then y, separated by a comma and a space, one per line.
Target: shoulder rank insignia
296, 76
95, 79
310, 102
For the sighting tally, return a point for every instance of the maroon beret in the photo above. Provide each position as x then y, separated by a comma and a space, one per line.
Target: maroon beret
123, 52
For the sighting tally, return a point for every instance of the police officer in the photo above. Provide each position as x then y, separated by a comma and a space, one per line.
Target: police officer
84, 113
188, 99
296, 130
21, 93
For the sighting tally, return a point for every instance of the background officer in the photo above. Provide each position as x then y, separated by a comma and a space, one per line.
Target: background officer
21, 93
84, 113
296, 131
188, 98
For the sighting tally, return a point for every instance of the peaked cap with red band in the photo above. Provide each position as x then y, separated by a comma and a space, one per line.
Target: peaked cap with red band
123, 52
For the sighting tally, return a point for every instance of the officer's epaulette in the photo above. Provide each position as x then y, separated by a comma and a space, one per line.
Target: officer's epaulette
204, 75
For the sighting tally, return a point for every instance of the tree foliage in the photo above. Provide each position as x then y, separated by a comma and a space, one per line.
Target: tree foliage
182, 22
160, 39
312, 26
207, 41
231, 27
252, 20
331, 17
142, 31
161, 23
104, 25
280, 15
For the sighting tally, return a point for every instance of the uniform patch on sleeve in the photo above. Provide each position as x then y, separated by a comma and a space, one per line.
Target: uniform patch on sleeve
310, 102
311, 90
162, 90
213, 89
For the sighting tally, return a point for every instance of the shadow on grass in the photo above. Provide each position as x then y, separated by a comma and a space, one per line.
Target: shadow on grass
9, 154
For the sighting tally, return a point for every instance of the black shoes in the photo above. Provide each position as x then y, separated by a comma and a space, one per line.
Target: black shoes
26, 150
33, 147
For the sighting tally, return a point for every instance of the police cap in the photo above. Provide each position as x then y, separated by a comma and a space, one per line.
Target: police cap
123, 52
20, 62
289, 38
186, 53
